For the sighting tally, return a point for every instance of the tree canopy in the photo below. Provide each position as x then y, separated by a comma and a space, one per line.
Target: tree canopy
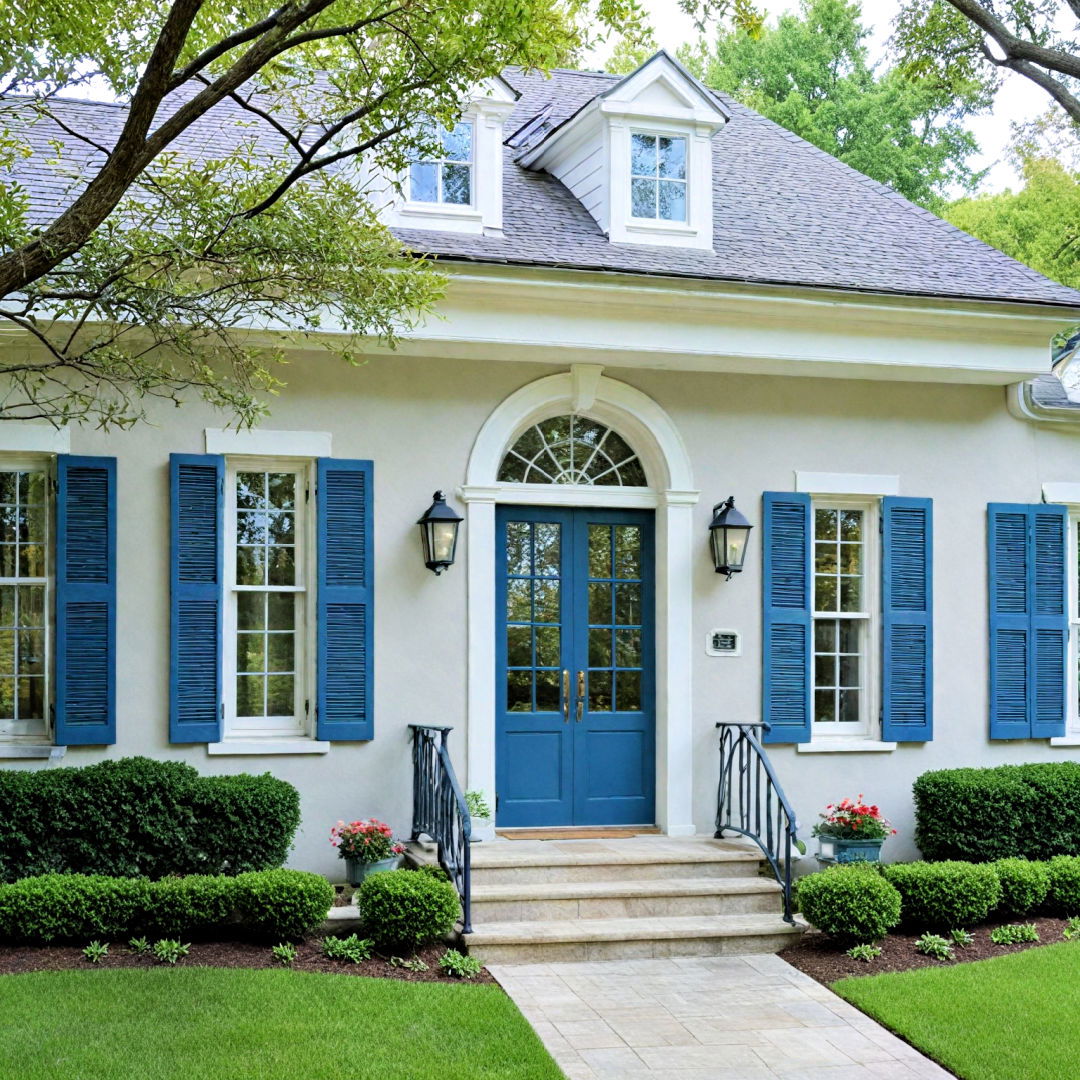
139, 248
1039, 223
810, 73
968, 45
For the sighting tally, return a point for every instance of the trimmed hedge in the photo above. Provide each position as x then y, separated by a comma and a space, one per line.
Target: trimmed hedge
1064, 896
404, 909
273, 904
852, 902
134, 817
944, 895
1012, 811
1024, 885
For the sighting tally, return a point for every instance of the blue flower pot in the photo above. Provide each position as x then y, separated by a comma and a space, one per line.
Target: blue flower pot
356, 871
841, 849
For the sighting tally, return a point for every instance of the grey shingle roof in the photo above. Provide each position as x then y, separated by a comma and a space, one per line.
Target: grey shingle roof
1048, 392
785, 212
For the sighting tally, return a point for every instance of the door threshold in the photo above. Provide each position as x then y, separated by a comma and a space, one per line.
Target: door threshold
580, 832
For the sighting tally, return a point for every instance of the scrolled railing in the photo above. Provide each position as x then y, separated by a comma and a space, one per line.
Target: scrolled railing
751, 802
440, 812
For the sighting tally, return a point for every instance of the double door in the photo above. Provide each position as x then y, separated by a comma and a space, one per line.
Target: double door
575, 717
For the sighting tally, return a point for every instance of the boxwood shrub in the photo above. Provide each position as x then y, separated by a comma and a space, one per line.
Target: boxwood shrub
853, 902
134, 817
944, 895
271, 904
1063, 897
402, 909
1011, 811
1024, 885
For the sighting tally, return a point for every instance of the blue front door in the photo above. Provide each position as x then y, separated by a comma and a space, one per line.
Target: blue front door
575, 739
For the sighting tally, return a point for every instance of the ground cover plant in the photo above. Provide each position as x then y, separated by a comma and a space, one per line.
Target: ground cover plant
991, 1020
228, 1025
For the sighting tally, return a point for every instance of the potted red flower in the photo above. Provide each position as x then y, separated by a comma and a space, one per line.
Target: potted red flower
851, 831
367, 848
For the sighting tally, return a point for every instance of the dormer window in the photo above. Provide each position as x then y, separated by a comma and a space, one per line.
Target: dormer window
658, 177
638, 156
447, 178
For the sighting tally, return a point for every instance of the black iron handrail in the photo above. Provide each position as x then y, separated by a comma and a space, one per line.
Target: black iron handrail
751, 802
440, 812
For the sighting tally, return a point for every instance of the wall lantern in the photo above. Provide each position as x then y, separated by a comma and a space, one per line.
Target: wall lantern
728, 535
439, 530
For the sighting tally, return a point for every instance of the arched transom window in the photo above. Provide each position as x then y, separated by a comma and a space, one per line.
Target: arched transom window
572, 450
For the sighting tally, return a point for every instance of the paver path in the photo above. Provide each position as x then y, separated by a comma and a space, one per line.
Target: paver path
704, 1018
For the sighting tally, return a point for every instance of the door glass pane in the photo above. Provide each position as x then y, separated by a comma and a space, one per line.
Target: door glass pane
546, 595
547, 691
518, 646
627, 551
518, 548
599, 603
599, 691
547, 549
628, 688
628, 648
600, 551
519, 600
628, 604
547, 646
599, 648
519, 691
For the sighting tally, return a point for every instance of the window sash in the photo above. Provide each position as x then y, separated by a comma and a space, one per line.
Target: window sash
14, 727
440, 164
867, 619
655, 178
298, 722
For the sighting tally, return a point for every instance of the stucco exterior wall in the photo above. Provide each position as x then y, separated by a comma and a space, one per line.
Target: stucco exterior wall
417, 419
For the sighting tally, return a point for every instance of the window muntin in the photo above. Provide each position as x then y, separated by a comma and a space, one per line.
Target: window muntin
658, 177
24, 601
572, 450
266, 664
843, 624
447, 178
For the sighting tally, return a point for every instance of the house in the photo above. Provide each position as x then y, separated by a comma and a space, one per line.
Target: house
658, 299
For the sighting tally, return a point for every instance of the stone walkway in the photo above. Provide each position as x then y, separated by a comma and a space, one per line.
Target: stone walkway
704, 1018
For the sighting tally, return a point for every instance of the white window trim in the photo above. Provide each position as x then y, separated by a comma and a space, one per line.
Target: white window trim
659, 223
38, 743
1072, 714
241, 736
867, 738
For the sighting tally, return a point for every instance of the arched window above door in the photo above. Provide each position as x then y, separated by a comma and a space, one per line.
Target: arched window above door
572, 450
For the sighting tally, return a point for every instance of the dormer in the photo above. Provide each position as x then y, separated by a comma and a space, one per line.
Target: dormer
639, 156
460, 188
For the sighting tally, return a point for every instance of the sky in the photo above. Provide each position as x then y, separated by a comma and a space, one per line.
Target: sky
1018, 99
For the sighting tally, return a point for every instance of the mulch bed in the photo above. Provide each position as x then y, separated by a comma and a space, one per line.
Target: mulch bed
820, 957
19, 959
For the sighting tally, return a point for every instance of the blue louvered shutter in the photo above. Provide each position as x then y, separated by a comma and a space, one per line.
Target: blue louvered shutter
907, 620
1048, 662
197, 597
787, 640
1010, 620
85, 697
345, 661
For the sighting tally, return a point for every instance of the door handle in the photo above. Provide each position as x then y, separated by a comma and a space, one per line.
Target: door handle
566, 695
580, 696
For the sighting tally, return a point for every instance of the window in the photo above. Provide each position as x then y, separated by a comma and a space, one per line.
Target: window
844, 598
658, 177
267, 617
572, 450
24, 600
447, 178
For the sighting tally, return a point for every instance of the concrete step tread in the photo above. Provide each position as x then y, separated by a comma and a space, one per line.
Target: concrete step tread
661, 850
630, 929
624, 889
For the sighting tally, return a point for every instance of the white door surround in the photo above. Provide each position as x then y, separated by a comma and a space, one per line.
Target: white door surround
585, 390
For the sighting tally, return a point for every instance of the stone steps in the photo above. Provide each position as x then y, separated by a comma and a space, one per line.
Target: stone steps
515, 901
535, 942
539, 901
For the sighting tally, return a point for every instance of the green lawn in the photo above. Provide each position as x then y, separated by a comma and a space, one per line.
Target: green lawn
1009, 1018
217, 1024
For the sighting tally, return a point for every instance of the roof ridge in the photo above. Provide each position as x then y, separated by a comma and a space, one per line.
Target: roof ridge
890, 193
